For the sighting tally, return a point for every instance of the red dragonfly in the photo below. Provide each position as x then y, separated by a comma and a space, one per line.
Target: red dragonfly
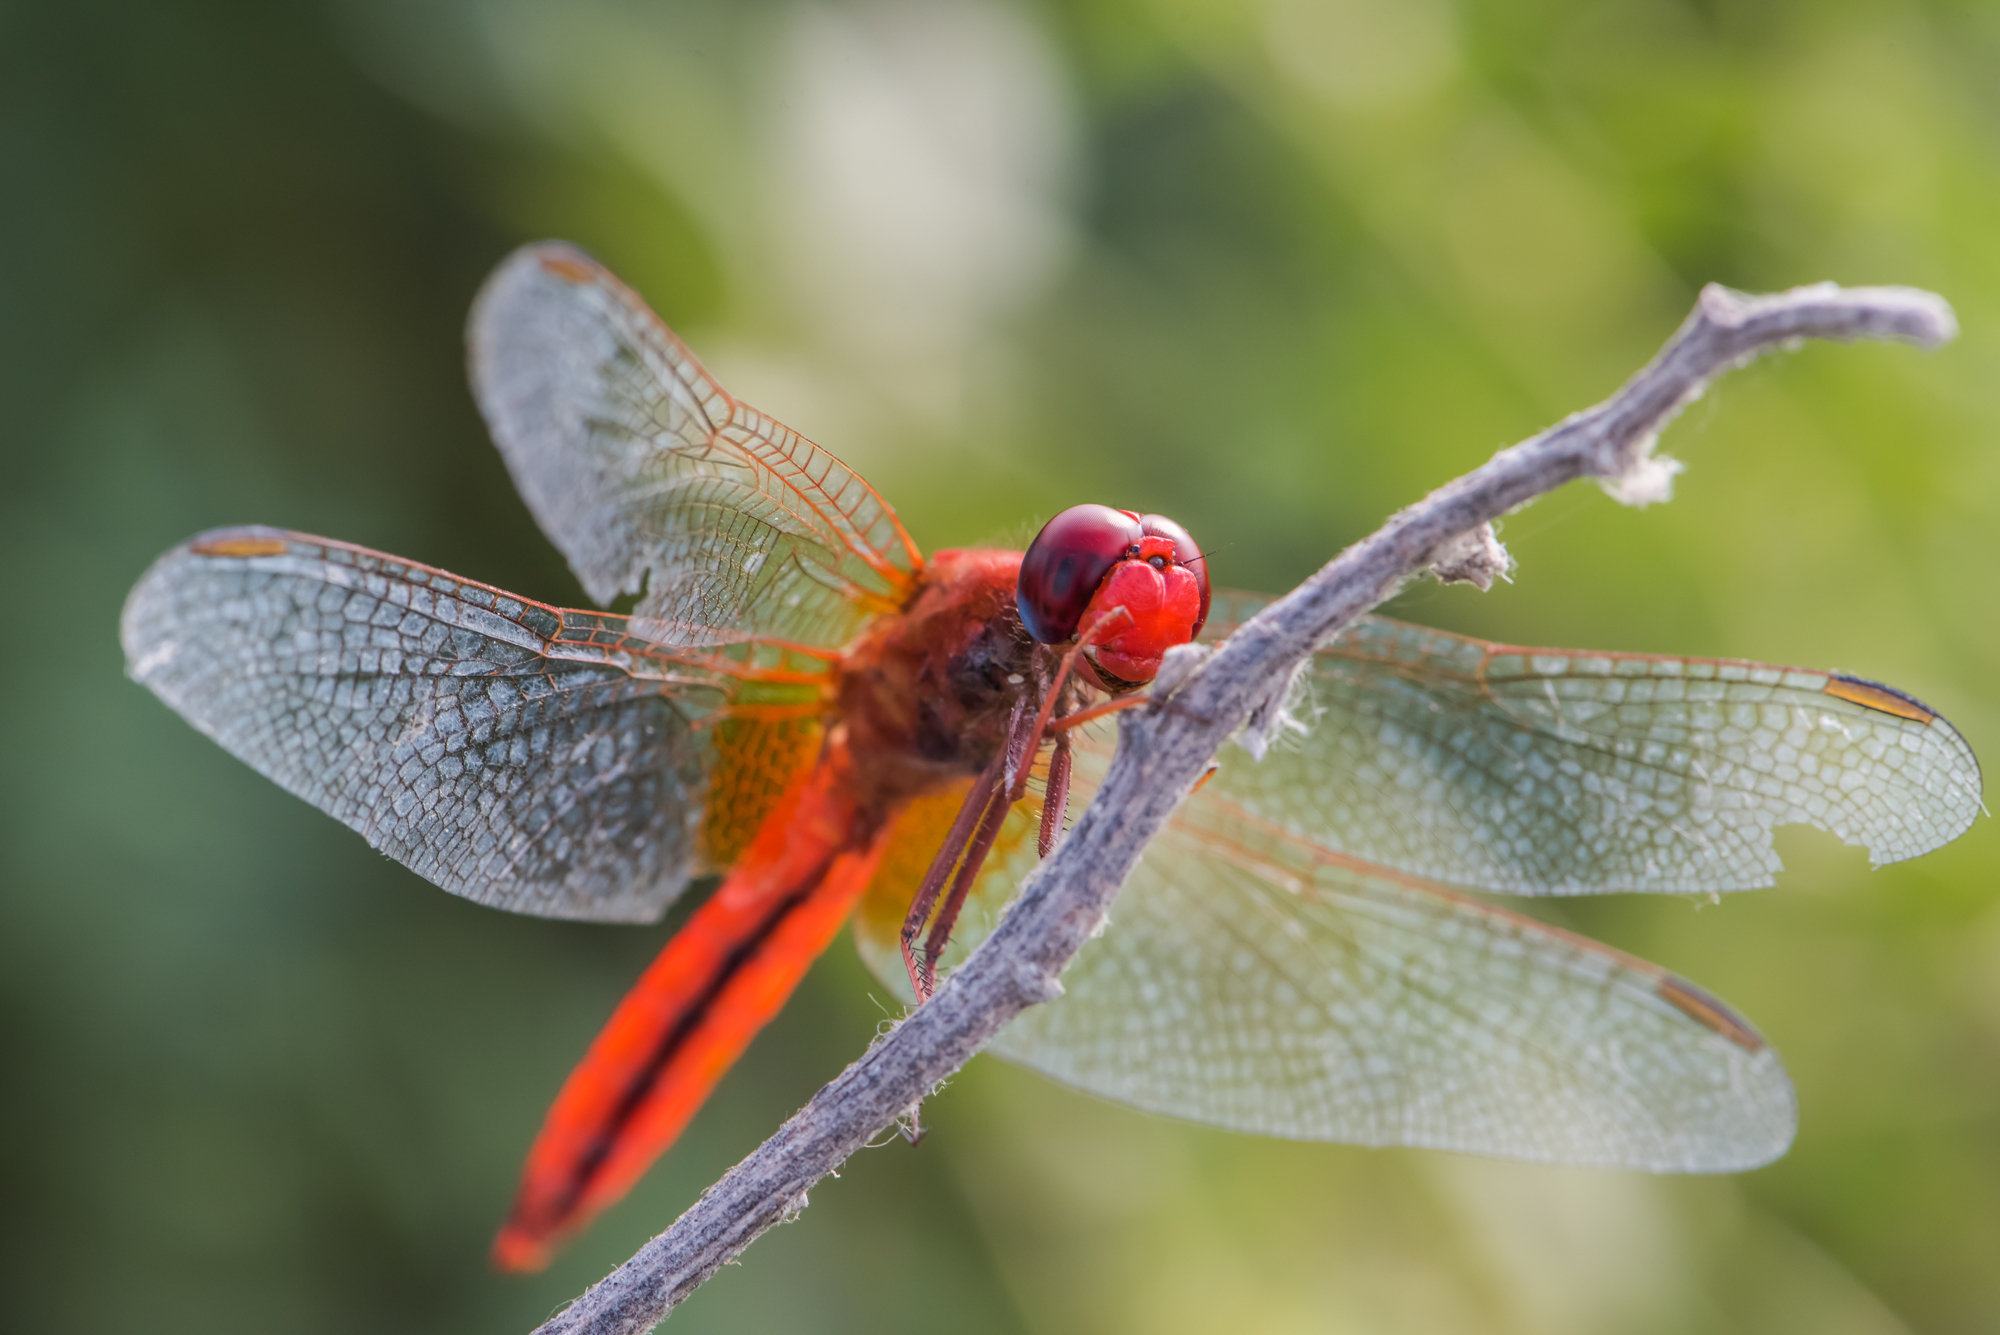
805, 706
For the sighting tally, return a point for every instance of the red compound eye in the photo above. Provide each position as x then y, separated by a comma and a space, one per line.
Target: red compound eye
1066, 563
1185, 554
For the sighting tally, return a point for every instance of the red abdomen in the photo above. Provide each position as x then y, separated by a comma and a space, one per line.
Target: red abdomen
921, 700
719, 980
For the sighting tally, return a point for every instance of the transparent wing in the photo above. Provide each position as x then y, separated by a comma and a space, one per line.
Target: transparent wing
1253, 981
524, 756
1547, 771
1285, 961
1250, 981
651, 479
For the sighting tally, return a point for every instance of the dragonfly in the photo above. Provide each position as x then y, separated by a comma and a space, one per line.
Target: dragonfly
808, 715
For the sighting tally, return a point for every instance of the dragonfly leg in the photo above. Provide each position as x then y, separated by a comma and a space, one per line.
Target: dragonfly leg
1055, 798
984, 789
1024, 736
1098, 625
961, 885
1098, 711
986, 806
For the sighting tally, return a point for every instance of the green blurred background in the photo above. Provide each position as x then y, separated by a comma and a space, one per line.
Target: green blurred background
1273, 267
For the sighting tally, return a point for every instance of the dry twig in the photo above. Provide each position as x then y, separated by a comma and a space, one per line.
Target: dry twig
1162, 751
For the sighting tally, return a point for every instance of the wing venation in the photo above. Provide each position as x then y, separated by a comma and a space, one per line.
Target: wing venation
1266, 990
1542, 771
516, 754
652, 480
1251, 980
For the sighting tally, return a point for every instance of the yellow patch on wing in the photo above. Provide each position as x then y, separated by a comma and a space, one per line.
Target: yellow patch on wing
755, 760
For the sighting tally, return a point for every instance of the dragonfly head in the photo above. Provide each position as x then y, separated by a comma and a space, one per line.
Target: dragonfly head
1089, 562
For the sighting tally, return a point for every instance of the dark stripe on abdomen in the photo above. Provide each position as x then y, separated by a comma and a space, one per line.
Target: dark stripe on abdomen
675, 1039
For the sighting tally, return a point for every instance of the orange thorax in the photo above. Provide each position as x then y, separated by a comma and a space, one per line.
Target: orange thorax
925, 694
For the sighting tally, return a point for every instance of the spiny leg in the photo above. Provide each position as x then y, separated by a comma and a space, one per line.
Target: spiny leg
1010, 774
984, 789
1055, 796
1098, 711
947, 918
966, 846
1024, 739
1050, 696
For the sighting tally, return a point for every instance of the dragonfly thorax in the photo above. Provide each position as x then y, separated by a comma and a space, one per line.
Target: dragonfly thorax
926, 696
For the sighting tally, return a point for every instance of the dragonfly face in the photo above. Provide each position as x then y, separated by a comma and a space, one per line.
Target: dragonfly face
1138, 582
804, 704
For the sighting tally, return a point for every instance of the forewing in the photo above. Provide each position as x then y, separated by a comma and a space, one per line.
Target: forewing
1545, 771
1251, 981
651, 479
520, 755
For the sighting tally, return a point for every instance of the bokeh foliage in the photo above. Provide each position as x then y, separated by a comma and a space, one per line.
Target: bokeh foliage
1272, 266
